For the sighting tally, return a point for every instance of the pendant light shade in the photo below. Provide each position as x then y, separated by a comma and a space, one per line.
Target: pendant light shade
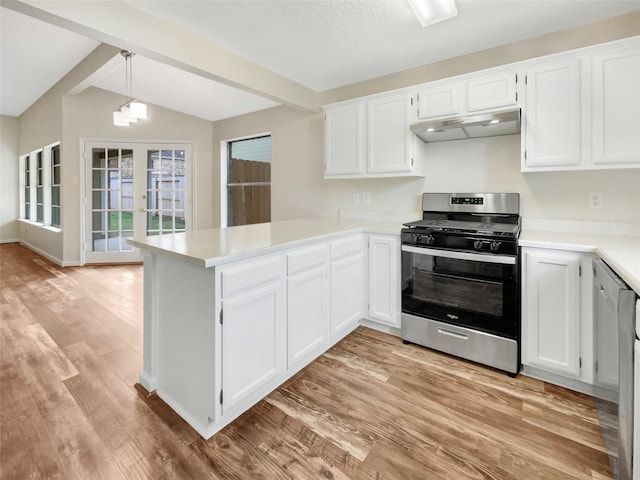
138, 109
133, 109
127, 115
119, 120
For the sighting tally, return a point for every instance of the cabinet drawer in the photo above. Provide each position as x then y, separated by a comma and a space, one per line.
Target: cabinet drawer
306, 258
345, 247
243, 276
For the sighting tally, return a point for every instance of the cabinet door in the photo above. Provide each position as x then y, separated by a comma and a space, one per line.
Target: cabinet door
438, 101
347, 293
344, 140
307, 313
491, 92
551, 312
384, 279
615, 107
253, 348
389, 140
552, 116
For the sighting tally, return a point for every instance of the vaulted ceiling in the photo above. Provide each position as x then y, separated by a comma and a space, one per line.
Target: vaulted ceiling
305, 47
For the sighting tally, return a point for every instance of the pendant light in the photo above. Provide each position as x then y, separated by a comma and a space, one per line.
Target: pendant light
133, 109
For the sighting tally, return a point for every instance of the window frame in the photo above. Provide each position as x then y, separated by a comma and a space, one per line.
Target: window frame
53, 184
36, 184
226, 147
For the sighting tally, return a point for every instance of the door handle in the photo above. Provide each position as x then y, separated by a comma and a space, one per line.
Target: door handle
143, 209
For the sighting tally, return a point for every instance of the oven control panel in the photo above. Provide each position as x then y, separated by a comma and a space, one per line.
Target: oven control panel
450, 241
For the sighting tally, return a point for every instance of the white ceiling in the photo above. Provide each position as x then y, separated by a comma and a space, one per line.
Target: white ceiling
322, 44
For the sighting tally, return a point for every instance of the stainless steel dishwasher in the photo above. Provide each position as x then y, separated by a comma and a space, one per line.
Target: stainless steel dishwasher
614, 334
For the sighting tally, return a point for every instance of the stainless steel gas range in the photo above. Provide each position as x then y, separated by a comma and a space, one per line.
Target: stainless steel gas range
460, 277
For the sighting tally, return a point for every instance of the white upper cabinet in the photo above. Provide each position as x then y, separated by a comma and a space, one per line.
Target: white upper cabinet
552, 115
615, 77
476, 94
581, 110
389, 140
370, 138
438, 101
344, 141
492, 91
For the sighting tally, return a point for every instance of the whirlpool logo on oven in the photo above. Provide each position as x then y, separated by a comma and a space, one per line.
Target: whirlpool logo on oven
451, 316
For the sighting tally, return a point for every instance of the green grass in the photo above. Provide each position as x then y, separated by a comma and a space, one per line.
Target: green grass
127, 222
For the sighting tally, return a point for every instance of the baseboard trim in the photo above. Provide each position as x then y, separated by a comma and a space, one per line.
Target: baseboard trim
570, 383
42, 253
10, 240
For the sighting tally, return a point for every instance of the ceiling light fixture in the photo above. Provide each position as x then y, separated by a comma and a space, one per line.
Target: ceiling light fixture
433, 11
133, 109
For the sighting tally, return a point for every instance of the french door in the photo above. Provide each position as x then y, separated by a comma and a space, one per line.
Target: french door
133, 190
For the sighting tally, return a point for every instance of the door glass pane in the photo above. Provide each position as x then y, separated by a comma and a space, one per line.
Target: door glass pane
166, 186
112, 199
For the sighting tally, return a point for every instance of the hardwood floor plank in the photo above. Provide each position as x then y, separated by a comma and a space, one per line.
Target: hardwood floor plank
403, 421
26, 450
167, 456
345, 432
569, 426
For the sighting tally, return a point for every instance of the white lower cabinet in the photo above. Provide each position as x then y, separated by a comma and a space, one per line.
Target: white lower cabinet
384, 279
307, 302
347, 284
557, 312
252, 329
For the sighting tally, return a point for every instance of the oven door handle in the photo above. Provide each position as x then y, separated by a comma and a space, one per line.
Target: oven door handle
478, 257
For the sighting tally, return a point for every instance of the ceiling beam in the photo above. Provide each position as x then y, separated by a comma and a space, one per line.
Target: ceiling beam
120, 24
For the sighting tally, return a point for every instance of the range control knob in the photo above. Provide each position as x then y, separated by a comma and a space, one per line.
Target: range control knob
477, 244
430, 240
418, 238
495, 245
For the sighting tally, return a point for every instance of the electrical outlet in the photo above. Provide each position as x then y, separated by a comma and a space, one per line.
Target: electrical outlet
596, 199
356, 199
366, 198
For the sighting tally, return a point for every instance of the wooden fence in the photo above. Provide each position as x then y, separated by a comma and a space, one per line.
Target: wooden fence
249, 199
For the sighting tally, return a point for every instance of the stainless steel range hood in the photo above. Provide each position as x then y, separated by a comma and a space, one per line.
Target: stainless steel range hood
472, 126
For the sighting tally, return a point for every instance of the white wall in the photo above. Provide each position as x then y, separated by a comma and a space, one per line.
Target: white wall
9, 207
480, 165
88, 116
70, 119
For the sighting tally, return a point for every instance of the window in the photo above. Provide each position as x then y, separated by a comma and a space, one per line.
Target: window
55, 186
249, 181
26, 186
39, 188
40, 184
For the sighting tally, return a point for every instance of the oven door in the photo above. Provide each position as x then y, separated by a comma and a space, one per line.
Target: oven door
473, 290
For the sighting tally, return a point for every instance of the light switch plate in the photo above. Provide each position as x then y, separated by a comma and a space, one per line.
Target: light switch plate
366, 198
356, 198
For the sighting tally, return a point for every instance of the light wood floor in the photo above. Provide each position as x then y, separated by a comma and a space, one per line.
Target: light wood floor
370, 408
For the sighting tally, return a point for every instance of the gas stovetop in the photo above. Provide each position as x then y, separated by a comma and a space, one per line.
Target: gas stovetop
461, 226
481, 222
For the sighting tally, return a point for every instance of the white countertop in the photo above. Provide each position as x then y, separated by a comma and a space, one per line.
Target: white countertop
622, 253
217, 246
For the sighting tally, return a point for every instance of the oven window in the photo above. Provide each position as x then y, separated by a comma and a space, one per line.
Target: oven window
462, 284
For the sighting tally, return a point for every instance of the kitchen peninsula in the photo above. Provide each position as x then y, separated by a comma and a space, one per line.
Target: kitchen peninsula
231, 313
